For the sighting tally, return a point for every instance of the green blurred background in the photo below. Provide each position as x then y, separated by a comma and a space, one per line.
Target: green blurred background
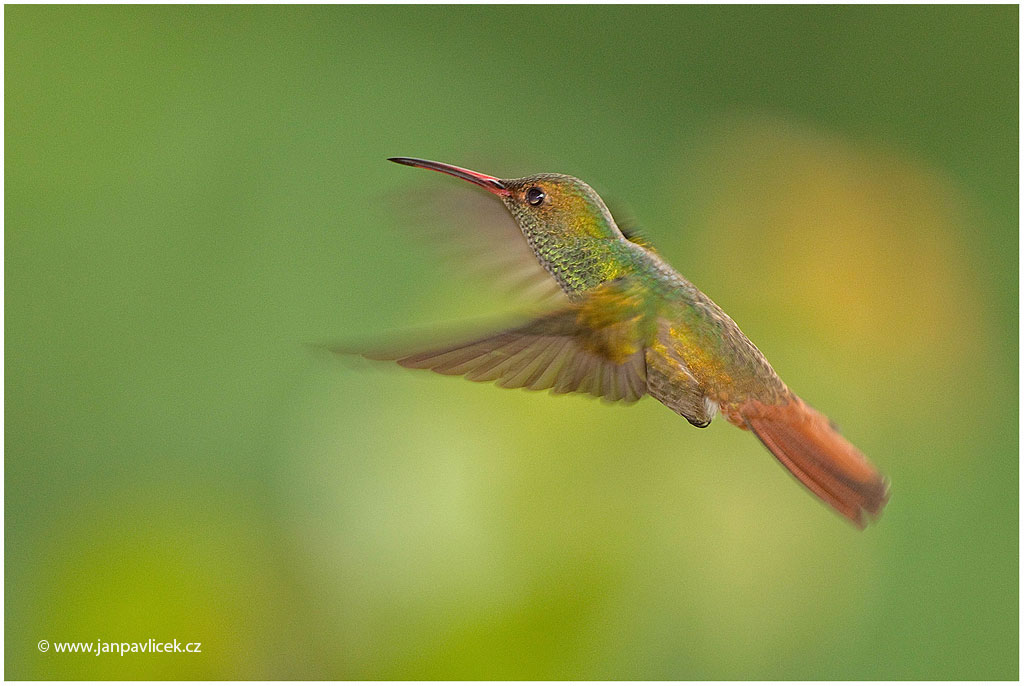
193, 194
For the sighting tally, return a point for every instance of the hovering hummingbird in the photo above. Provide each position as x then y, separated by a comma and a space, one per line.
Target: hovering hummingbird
634, 326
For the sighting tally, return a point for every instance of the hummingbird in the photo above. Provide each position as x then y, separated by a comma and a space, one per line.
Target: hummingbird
633, 326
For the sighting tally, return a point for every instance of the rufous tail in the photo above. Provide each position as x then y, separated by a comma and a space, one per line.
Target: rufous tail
809, 446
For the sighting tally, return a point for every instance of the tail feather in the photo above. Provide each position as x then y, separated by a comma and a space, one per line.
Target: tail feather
810, 447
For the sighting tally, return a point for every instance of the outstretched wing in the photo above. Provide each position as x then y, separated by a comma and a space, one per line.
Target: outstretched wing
590, 347
545, 353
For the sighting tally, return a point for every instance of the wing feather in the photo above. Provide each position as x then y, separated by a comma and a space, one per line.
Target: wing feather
546, 353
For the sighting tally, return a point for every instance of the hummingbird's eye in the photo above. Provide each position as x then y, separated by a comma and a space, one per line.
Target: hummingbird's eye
535, 196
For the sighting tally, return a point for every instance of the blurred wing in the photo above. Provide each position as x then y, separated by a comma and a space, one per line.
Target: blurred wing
475, 231
548, 352
628, 225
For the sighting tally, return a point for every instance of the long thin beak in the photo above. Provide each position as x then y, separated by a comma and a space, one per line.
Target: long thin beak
491, 183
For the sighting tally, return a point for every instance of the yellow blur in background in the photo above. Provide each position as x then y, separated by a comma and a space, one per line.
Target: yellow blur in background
194, 194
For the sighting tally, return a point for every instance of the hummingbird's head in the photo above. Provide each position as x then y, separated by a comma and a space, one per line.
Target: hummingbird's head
556, 205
